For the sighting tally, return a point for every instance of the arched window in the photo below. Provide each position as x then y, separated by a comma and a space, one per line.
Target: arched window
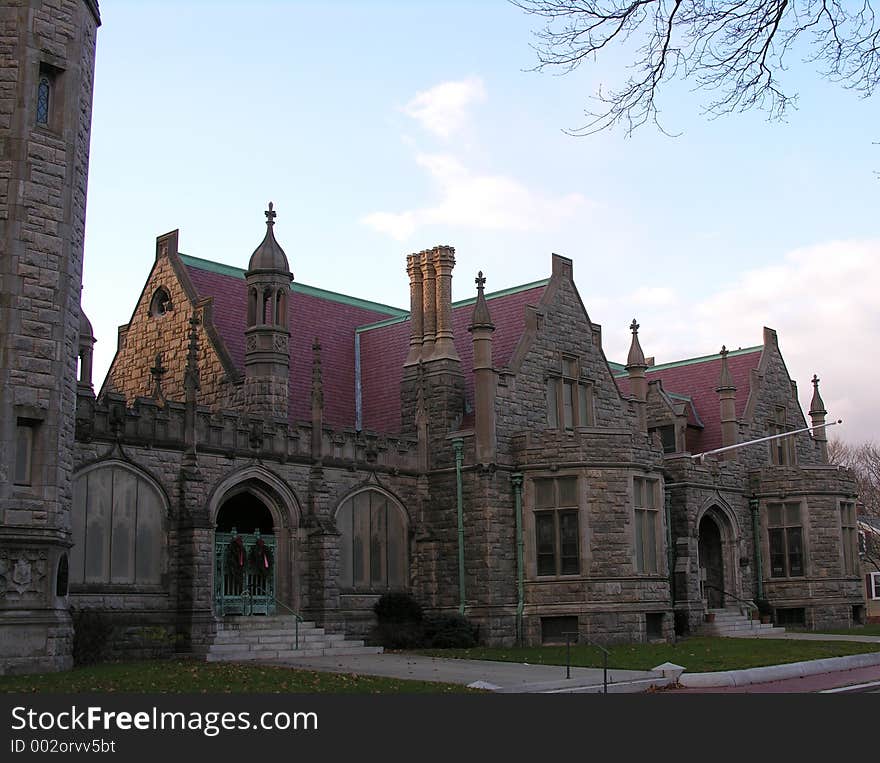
117, 527
160, 303
373, 543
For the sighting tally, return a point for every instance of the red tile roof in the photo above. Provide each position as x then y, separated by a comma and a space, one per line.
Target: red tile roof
335, 320
384, 350
697, 379
311, 313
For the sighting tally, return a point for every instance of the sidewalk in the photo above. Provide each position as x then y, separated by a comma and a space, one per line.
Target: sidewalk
512, 677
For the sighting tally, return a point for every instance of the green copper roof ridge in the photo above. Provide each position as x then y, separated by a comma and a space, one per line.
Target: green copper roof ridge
701, 359
460, 303
301, 288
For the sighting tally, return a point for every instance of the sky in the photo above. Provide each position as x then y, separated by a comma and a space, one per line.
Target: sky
384, 128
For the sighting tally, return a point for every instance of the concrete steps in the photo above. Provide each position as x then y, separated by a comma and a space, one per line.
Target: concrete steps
274, 638
732, 623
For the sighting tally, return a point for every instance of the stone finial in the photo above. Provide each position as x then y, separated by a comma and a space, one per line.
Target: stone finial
271, 214
481, 318
817, 405
636, 358
191, 375
725, 380
317, 374
157, 372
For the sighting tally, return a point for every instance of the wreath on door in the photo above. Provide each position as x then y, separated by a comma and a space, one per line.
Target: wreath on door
261, 557
236, 558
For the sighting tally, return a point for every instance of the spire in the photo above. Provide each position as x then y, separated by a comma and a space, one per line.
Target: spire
269, 255
317, 403
481, 318
725, 380
817, 405
636, 358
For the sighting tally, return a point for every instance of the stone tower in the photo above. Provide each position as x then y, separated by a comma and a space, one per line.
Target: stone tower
267, 338
46, 73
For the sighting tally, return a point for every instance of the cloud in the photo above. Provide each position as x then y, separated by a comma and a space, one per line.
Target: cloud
473, 200
442, 110
822, 301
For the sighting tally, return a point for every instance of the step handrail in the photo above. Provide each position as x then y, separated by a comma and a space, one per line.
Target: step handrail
748, 602
298, 618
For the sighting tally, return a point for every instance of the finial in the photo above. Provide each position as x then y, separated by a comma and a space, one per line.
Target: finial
724, 350
480, 281
270, 215
815, 381
636, 358
725, 380
817, 405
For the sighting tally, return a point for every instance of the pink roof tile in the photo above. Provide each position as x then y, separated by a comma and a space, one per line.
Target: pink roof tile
331, 318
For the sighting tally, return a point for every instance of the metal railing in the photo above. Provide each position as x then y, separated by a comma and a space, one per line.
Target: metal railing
298, 618
750, 605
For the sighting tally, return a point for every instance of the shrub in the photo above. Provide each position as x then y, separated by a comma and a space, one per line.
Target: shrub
91, 636
397, 607
450, 632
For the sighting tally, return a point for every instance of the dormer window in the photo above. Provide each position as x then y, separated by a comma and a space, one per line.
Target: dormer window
569, 398
160, 303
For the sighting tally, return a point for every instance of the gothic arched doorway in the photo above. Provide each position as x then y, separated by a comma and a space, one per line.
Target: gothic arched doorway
246, 551
711, 552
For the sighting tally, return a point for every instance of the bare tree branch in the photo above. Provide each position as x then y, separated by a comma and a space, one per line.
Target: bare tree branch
736, 49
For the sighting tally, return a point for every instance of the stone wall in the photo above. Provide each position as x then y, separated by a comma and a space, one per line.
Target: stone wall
43, 177
233, 451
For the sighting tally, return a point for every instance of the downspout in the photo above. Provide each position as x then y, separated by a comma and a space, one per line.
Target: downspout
670, 550
458, 447
358, 400
756, 532
517, 480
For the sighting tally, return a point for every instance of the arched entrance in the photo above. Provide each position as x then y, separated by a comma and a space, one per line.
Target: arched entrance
711, 552
245, 551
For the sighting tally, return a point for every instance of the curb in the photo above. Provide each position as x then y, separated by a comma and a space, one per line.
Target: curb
779, 672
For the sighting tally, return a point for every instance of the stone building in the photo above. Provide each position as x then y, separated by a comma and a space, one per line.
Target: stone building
260, 446
484, 455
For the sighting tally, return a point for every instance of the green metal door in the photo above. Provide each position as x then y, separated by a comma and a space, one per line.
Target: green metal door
244, 573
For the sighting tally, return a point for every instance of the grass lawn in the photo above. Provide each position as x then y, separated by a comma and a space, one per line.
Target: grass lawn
698, 655
193, 677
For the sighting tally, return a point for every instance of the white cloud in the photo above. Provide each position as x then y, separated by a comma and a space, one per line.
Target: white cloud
469, 199
442, 109
822, 301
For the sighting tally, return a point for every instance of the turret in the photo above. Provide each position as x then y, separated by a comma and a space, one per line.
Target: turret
267, 338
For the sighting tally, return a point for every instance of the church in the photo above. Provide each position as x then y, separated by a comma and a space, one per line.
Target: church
262, 447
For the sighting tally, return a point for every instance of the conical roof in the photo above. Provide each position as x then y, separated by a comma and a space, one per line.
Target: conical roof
269, 255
